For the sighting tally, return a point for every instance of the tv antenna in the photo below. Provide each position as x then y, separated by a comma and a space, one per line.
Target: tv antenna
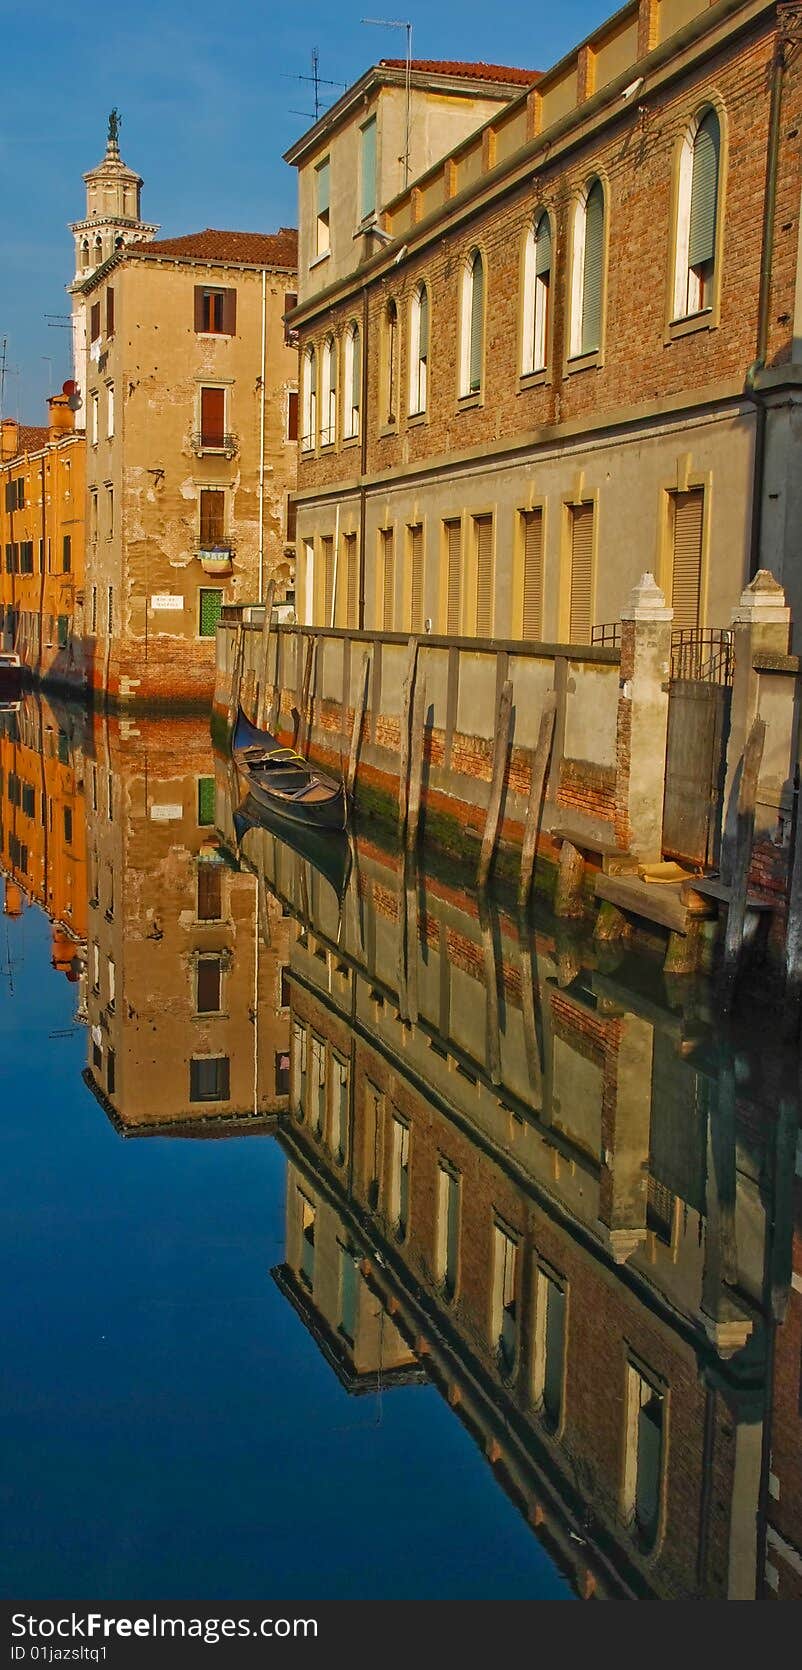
398, 23
317, 80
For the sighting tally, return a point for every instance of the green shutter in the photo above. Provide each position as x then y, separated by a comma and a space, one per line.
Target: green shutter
322, 174
211, 603
369, 168
592, 269
477, 282
205, 801
704, 191
543, 247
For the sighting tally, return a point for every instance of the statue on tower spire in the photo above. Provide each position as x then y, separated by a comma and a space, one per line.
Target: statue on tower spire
115, 121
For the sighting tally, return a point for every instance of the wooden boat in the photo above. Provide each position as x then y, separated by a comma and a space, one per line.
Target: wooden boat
283, 782
329, 852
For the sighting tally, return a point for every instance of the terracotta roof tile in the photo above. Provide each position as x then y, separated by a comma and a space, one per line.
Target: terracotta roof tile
32, 438
270, 249
471, 72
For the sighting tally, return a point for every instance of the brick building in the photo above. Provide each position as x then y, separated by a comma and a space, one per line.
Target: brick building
42, 487
42, 823
190, 388
574, 355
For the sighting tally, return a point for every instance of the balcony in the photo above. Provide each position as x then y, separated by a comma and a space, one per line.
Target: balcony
225, 446
215, 559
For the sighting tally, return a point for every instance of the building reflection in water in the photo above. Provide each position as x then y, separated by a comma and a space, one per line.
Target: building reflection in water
521, 1166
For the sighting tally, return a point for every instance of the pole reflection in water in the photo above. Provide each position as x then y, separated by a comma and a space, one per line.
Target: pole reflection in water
521, 1169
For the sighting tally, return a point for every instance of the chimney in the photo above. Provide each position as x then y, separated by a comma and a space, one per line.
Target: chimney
9, 440
62, 411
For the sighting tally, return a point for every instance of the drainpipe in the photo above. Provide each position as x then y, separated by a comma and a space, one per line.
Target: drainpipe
262, 443
363, 457
764, 301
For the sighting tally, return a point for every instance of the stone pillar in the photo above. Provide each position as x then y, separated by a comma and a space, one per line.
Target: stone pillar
761, 626
626, 1122
643, 720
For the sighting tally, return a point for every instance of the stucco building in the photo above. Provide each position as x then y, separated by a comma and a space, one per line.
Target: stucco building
569, 350
42, 823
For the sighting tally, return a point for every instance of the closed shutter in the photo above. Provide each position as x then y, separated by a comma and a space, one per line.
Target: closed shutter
687, 578
110, 311
581, 573
592, 270
416, 590
388, 580
454, 569
369, 168
210, 890
327, 552
211, 603
484, 576
532, 624
208, 985
213, 411
206, 807
704, 192
292, 415
199, 308
323, 188
352, 581
543, 247
477, 324
229, 312
211, 517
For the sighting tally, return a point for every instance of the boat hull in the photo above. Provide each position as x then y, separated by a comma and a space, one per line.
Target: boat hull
327, 814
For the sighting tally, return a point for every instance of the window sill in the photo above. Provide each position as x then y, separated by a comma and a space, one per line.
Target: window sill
466, 402
388, 429
308, 451
367, 224
583, 362
328, 446
533, 379
213, 334
703, 321
319, 259
350, 441
416, 419
211, 1015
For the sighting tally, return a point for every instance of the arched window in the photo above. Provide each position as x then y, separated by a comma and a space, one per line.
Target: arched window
352, 392
328, 427
537, 296
309, 399
588, 272
419, 350
98, 249
472, 325
391, 362
697, 217
85, 253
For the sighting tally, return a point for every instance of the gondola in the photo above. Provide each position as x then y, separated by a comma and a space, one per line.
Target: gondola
282, 782
329, 853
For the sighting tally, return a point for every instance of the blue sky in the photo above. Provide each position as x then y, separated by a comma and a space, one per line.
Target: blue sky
209, 104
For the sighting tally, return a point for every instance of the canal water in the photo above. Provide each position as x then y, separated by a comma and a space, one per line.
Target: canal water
360, 1241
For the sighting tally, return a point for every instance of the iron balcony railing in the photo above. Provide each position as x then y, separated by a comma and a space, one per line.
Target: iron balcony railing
226, 444
702, 653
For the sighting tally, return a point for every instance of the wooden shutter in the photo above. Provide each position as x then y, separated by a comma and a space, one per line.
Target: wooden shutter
95, 321
292, 415
208, 985
229, 312
477, 323
592, 269
200, 313
454, 577
213, 411
211, 517
543, 247
532, 623
416, 590
110, 311
484, 576
327, 552
352, 581
210, 891
704, 192
687, 578
581, 573
388, 580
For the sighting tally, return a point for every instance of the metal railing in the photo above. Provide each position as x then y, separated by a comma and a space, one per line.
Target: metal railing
608, 635
227, 444
703, 654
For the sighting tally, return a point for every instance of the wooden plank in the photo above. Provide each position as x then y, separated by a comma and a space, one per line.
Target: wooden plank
406, 711
264, 649
236, 675
502, 728
356, 728
537, 784
492, 1028
744, 838
300, 711
534, 1065
712, 887
416, 760
658, 903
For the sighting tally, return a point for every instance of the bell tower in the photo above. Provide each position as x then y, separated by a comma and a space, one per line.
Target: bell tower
112, 220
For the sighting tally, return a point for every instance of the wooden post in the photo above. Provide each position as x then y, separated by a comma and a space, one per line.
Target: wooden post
416, 761
406, 710
260, 717
356, 729
492, 1029
736, 914
408, 941
793, 932
300, 722
236, 675
528, 1014
570, 882
500, 750
540, 760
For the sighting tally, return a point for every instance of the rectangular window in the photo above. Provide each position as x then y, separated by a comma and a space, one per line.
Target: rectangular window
112, 975
67, 826
205, 802
307, 1216
549, 1347
212, 518
483, 535
644, 1456
318, 1086
109, 410
387, 579
109, 311
215, 311
399, 1177
504, 1326
349, 1289
94, 424
415, 534
66, 553
93, 514
208, 986
110, 1072
373, 1141
368, 168
210, 603
298, 1070
63, 631
447, 1243
453, 533
532, 553
351, 581
110, 610
292, 415
213, 418
109, 512
210, 890
93, 612
322, 226
209, 1079
94, 322
686, 585
327, 560
581, 595
339, 1109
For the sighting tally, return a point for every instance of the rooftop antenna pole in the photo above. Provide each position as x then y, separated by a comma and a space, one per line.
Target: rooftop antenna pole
3, 374
397, 23
317, 81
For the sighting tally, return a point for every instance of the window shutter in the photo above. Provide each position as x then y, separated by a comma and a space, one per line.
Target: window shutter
454, 557
352, 581
369, 168
592, 271
210, 891
581, 573
704, 192
208, 985
416, 561
543, 247
477, 324
211, 603
211, 517
327, 544
206, 799
95, 321
687, 579
110, 311
213, 405
388, 580
423, 324
484, 576
292, 415
356, 361
229, 312
323, 188
533, 574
